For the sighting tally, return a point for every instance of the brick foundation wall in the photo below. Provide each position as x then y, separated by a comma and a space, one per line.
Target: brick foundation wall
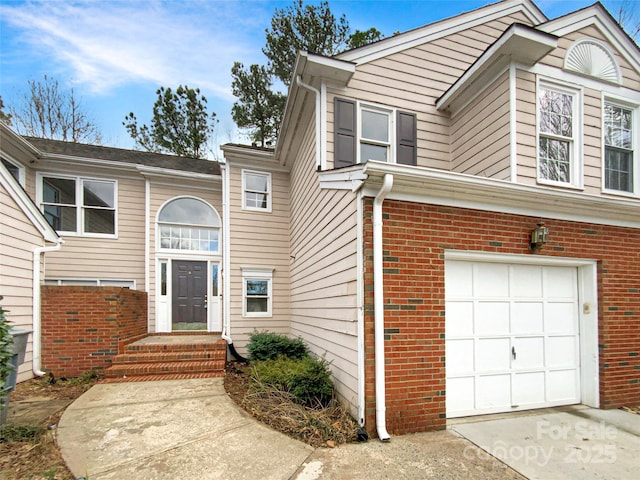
415, 239
82, 327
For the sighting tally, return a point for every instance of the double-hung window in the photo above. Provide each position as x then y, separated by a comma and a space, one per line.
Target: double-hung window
618, 148
256, 191
79, 206
558, 134
375, 134
257, 292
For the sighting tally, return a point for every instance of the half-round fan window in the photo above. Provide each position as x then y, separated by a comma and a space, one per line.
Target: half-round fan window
189, 224
589, 57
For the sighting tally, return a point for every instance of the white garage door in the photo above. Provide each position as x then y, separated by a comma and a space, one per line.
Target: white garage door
512, 337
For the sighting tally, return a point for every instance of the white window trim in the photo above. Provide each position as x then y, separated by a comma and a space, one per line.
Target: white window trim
391, 112
269, 191
619, 101
80, 208
96, 282
20, 167
257, 273
576, 159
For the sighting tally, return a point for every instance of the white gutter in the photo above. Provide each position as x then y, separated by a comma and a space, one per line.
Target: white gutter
360, 307
226, 257
36, 321
378, 302
318, 118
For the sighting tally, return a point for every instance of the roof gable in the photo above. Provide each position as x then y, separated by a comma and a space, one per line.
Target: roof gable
442, 28
598, 16
17, 193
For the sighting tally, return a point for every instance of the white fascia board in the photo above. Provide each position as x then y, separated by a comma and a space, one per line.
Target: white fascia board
594, 15
518, 44
343, 179
438, 187
27, 206
167, 172
443, 28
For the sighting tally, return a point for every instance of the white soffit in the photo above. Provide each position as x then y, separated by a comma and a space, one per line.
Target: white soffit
442, 28
519, 44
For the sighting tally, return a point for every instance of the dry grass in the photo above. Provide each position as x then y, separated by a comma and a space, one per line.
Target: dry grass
30, 452
315, 426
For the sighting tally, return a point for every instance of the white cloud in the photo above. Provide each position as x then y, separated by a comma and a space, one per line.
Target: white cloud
104, 45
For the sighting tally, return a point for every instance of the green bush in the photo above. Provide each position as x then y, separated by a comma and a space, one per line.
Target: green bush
266, 346
6, 350
306, 378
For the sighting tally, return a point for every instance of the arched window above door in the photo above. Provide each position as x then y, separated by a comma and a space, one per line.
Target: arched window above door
189, 224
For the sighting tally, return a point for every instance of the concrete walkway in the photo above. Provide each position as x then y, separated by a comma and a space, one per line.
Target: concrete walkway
186, 429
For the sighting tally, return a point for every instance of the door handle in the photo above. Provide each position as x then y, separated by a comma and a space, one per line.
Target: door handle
513, 352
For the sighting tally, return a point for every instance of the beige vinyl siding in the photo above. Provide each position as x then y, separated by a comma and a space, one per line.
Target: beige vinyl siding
259, 240
120, 258
323, 270
18, 239
415, 78
526, 149
161, 192
480, 133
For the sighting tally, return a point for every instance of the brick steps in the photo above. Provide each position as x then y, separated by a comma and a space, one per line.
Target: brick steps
169, 358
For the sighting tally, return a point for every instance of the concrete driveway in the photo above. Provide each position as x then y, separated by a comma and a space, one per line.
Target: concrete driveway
569, 443
186, 429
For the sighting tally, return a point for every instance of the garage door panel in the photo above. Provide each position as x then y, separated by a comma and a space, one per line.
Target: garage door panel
560, 317
494, 354
491, 280
463, 353
527, 318
461, 394
460, 282
529, 353
459, 319
494, 391
562, 352
526, 281
492, 318
559, 282
562, 386
529, 388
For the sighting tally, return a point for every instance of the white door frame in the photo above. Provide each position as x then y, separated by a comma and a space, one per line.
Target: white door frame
587, 311
163, 302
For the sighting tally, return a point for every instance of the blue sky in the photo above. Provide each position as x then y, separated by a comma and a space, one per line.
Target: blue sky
116, 53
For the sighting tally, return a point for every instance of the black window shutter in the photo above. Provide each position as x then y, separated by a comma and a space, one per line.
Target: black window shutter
344, 145
407, 151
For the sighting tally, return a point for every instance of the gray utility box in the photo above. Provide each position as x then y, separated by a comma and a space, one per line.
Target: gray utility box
20, 338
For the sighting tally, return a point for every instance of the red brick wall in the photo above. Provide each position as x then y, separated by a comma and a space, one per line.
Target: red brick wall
415, 238
82, 326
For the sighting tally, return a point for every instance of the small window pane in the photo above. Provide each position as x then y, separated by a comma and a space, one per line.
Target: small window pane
98, 194
255, 182
373, 152
62, 219
59, 190
99, 221
555, 160
257, 287
214, 280
257, 305
618, 170
556, 113
14, 170
256, 200
163, 278
375, 125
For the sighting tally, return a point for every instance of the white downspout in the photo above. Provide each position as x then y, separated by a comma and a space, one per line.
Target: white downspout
360, 307
318, 119
226, 257
36, 321
378, 302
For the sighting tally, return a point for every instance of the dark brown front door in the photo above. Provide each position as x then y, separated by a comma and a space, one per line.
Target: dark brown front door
189, 287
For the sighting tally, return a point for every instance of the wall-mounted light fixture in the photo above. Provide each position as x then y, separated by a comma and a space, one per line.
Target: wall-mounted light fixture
539, 236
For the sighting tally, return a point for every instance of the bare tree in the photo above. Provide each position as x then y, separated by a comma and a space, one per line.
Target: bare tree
48, 111
628, 16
